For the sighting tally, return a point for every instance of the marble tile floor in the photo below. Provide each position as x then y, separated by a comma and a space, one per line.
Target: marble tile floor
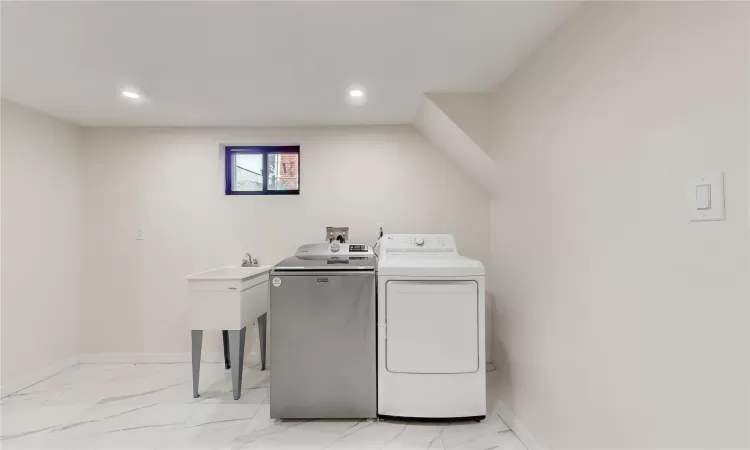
150, 406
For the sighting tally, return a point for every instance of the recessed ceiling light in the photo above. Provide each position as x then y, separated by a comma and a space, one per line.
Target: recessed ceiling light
357, 95
131, 94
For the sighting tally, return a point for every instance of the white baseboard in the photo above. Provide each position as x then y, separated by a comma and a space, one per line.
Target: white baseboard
147, 358
521, 431
156, 358
22, 383
113, 358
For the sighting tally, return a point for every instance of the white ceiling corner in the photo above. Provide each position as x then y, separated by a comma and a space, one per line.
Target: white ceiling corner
259, 63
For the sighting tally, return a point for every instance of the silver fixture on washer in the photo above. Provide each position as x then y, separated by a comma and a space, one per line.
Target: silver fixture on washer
338, 234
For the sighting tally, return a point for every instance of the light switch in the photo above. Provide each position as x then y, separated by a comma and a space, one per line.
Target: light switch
706, 197
703, 196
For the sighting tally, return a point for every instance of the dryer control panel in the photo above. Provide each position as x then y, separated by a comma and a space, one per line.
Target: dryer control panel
418, 243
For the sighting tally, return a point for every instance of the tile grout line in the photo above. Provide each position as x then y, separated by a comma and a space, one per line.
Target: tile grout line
45, 379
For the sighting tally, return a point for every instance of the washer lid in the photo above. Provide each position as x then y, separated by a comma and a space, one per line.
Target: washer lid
318, 263
430, 266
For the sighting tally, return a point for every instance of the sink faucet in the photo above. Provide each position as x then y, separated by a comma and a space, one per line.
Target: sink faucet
248, 261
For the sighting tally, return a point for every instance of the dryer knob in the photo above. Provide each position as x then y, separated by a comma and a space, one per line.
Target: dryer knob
419, 241
335, 248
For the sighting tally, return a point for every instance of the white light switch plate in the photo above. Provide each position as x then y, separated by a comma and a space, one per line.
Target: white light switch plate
139, 234
706, 203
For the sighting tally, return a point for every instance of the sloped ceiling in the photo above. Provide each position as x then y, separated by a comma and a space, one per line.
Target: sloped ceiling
442, 128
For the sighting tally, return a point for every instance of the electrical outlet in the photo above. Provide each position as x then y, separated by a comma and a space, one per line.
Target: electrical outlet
139, 234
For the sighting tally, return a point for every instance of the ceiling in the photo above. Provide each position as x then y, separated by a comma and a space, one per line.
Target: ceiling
213, 63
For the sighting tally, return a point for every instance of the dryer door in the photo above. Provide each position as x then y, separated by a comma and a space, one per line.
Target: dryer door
431, 326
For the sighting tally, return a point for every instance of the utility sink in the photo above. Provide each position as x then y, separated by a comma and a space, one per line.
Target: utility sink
228, 299
231, 273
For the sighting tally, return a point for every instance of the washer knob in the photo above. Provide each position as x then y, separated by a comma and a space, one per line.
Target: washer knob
335, 248
419, 241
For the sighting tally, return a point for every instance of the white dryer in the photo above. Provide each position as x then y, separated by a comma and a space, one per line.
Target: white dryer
431, 360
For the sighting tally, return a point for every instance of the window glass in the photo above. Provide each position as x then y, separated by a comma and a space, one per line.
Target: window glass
283, 171
248, 172
262, 170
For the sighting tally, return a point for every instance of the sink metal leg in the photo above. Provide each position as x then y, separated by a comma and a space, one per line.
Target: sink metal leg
225, 341
237, 356
262, 339
197, 338
243, 334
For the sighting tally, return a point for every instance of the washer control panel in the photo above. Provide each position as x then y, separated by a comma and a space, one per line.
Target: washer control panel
335, 248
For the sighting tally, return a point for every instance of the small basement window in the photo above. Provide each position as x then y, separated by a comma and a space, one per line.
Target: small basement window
262, 170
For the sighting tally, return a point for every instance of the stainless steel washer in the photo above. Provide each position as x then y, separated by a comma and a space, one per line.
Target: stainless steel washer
322, 313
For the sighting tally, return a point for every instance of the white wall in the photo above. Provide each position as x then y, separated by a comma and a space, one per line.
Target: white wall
170, 183
41, 242
445, 133
472, 112
621, 324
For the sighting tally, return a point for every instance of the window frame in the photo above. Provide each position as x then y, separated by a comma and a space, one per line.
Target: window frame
263, 150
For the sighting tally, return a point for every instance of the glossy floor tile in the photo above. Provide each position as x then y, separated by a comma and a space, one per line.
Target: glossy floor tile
150, 406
